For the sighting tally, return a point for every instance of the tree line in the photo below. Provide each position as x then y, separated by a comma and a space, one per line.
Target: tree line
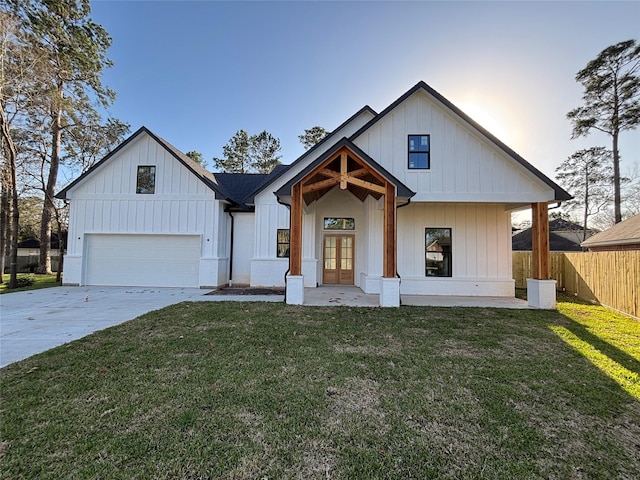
259, 153
52, 56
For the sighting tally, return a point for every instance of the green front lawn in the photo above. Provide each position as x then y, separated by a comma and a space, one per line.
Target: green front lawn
252, 390
39, 281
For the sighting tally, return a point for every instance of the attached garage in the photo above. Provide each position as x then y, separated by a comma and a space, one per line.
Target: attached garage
142, 260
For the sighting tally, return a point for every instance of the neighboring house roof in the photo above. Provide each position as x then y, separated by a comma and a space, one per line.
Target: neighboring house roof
30, 243
560, 193
558, 224
521, 241
35, 243
402, 190
198, 170
623, 233
250, 198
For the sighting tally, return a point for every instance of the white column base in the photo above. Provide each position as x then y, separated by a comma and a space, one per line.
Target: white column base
541, 293
295, 289
390, 292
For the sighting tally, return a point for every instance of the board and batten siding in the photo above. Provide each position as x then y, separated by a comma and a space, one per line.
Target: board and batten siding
266, 268
465, 166
243, 247
481, 249
106, 202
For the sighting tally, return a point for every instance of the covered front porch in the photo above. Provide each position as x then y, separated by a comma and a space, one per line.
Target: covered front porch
344, 180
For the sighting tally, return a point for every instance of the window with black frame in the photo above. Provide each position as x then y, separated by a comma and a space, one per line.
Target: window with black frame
283, 243
146, 179
438, 252
419, 152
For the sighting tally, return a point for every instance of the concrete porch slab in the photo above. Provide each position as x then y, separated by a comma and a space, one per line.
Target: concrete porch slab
351, 296
342, 295
460, 301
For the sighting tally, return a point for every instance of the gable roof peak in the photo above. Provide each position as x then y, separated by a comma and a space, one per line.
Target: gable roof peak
198, 170
560, 193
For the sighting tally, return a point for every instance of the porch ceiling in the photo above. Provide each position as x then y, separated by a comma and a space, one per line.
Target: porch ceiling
343, 169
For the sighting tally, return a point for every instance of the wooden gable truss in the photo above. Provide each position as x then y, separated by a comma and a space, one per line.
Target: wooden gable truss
345, 169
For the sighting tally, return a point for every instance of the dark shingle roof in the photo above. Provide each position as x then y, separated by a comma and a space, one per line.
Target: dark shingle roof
561, 224
522, 242
239, 185
35, 243
242, 185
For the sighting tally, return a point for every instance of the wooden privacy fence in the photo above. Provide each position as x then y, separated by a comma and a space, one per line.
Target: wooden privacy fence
609, 278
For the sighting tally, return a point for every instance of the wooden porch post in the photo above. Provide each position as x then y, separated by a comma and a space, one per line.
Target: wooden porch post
540, 241
295, 233
390, 258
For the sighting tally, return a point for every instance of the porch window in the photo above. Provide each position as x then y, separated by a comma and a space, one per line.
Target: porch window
146, 180
339, 223
419, 147
438, 252
283, 243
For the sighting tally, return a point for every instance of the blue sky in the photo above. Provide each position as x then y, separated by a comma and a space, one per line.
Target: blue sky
196, 72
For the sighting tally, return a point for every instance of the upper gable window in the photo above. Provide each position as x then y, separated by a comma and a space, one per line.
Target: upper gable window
419, 152
146, 182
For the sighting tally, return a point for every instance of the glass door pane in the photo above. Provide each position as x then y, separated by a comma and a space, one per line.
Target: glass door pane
346, 253
330, 253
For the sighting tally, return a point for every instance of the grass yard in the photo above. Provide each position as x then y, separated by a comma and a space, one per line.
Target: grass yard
39, 281
269, 391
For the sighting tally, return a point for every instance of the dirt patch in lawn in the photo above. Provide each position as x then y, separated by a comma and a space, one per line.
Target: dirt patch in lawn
355, 405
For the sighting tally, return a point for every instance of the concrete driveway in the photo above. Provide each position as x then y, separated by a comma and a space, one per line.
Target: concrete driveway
37, 320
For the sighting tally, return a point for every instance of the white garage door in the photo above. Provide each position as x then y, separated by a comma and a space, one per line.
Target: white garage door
143, 260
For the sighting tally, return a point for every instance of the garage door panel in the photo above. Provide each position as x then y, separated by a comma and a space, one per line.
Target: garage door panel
143, 260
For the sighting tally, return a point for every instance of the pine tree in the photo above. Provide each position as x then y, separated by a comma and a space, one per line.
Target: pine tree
236, 154
611, 101
263, 151
249, 154
312, 135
